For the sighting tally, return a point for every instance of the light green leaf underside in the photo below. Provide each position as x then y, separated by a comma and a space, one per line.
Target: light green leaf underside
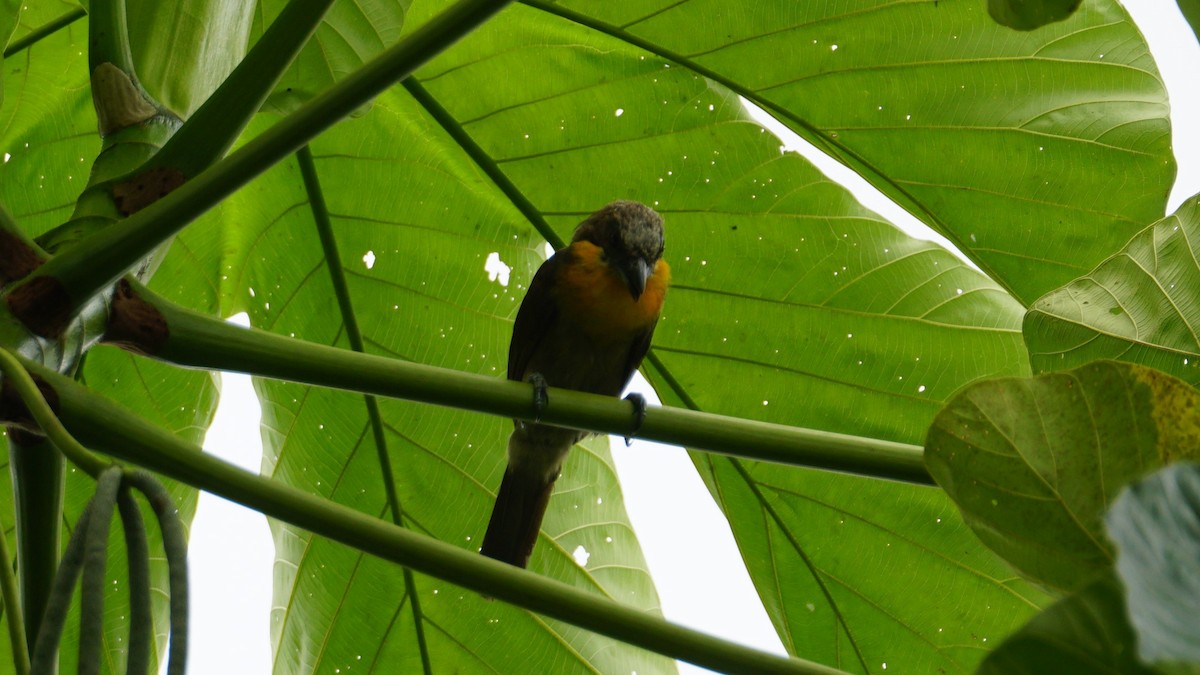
352, 32
981, 131
1141, 305
47, 129
1034, 463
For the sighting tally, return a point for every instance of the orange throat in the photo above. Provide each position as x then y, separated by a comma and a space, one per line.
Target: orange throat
600, 302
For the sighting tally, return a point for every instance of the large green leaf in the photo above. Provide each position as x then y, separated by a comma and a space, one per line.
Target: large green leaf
1141, 305
979, 130
353, 31
415, 269
1034, 462
1156, 526
790, 303
47, 128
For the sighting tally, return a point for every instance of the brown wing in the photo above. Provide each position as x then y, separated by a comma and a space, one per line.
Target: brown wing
537, 314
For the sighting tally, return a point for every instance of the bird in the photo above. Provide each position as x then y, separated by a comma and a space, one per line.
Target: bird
585, 324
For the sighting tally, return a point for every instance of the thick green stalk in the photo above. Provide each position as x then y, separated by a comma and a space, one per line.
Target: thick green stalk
45, 30
333, 261
38, 479
201, 341
103, 425
96, 262
12, 605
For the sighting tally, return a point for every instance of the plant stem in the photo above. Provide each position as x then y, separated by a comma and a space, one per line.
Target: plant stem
95, 565
105, 426
97, 261
174, 542
38, 481
108, 37
137, 552
204, 342
18, 376
37, 34
12, 604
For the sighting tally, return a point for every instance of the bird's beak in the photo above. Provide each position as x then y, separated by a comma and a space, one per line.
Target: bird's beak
637, 271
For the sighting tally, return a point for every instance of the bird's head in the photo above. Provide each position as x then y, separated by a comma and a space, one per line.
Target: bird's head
631, 236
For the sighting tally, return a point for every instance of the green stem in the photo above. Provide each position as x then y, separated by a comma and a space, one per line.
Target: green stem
333, 260
45, 650
108, 37
27, 389
95, 564
174, 541
213, 128
105, 426
45, 30
201, 341
38, 479
96, 262
12, 603
137, 552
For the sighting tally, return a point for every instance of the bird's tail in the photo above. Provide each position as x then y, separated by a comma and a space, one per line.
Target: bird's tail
517, 517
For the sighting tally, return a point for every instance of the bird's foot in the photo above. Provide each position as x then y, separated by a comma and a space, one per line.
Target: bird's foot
540, 397
639, 415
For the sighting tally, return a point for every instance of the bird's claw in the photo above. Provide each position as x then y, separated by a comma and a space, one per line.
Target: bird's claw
540, 397
639, 415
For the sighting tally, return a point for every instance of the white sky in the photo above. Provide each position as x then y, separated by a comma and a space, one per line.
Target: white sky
231, 553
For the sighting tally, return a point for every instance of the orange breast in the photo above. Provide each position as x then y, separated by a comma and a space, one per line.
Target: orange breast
594, 297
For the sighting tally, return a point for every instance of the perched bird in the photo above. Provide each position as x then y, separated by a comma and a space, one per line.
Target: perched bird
584, 324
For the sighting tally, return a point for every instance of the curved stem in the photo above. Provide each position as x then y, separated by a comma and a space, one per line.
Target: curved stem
46, 419
137, 552
108, 36
174, 540
95, 564
107, 427
218, 122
